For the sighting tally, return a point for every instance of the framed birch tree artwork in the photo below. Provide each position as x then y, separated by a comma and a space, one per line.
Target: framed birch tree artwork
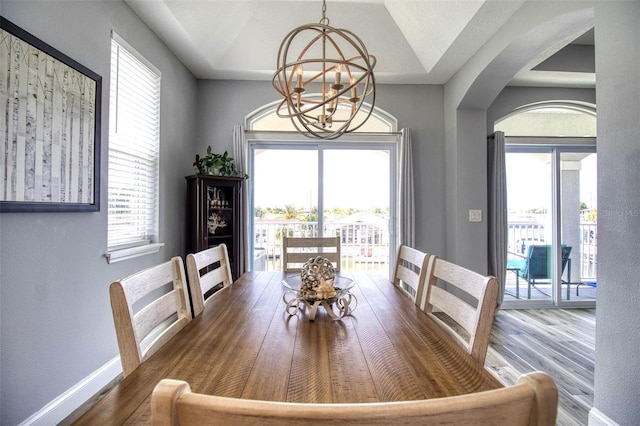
49, 127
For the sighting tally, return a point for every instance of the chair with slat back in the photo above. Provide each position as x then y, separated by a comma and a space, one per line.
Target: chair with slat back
166, 311
473, 314
536, 265
411, 271
216, 273
297, 250
533, 400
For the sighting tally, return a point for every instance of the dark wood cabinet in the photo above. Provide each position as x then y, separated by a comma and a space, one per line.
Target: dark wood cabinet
214, 215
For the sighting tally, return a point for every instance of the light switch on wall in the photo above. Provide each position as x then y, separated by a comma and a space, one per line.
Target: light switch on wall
475, 215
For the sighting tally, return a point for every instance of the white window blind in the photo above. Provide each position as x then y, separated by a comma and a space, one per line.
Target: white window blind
134, 136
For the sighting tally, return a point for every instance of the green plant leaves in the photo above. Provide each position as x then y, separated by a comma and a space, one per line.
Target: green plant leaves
217, 165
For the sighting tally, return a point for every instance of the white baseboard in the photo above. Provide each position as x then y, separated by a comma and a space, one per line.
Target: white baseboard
598, 418
65, 404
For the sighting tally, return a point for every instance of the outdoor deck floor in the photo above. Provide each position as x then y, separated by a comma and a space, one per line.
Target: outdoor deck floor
543, 291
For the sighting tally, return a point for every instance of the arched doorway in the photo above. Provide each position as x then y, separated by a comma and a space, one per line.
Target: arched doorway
551, 166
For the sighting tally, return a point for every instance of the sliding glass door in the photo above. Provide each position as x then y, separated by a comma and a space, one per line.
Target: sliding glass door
552, 222
579, 231
357, 204
530, 222
322, 189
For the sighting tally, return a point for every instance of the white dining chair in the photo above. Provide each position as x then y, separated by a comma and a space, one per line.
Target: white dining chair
411, 271
457, 298
533, 400
161, 310
208, 270
297, 250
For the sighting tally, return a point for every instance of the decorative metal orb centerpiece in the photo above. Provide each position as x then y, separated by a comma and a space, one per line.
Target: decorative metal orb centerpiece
318, 275
314, 287
336, 64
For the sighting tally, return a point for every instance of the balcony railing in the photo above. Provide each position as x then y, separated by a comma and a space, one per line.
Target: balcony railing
364, 246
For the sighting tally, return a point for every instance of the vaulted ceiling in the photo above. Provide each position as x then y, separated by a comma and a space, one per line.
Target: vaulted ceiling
414, 41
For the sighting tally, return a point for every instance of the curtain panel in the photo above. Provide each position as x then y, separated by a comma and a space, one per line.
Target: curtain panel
406, 194
240, 155
497, 210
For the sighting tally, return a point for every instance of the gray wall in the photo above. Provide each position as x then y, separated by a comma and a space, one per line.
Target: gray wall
56, 323
221, 104
533, 29
617, 376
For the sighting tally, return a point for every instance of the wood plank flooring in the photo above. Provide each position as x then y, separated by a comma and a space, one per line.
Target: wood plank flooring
560, 342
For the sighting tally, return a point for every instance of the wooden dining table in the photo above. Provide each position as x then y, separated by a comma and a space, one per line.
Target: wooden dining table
246, 345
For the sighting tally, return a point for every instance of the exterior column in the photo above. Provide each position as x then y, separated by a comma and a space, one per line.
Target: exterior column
570, 211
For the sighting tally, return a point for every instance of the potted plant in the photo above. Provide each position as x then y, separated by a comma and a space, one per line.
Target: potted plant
217, 164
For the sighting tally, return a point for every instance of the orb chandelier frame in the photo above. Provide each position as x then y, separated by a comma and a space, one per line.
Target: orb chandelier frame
329, 56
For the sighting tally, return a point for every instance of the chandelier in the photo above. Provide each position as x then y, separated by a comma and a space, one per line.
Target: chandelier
335, 63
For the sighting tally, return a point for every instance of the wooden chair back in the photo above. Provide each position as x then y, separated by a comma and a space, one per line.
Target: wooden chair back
456, 309
207, 270
297, 250
411, 271
166, 310
533, 400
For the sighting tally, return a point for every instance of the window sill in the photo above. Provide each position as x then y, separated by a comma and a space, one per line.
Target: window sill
132, 252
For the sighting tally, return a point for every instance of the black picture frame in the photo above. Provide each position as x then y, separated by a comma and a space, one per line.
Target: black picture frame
50, 127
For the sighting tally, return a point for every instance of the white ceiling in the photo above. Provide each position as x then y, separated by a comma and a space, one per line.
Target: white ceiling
414, 41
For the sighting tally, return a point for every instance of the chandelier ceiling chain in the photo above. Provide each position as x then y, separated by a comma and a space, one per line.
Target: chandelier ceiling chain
324, 20
326, 55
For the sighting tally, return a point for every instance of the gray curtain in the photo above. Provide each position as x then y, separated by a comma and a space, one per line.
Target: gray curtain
240, 155
406, 194
497, 210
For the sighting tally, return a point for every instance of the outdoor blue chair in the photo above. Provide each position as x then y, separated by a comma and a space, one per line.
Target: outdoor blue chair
536, 265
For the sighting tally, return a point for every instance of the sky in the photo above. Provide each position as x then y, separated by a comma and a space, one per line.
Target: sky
353, 179
360, 179
526, 192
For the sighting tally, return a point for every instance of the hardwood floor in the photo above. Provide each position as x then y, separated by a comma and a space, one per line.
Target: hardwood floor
560, 342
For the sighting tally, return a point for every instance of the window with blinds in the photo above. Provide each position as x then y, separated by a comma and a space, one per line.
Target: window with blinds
134, 136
